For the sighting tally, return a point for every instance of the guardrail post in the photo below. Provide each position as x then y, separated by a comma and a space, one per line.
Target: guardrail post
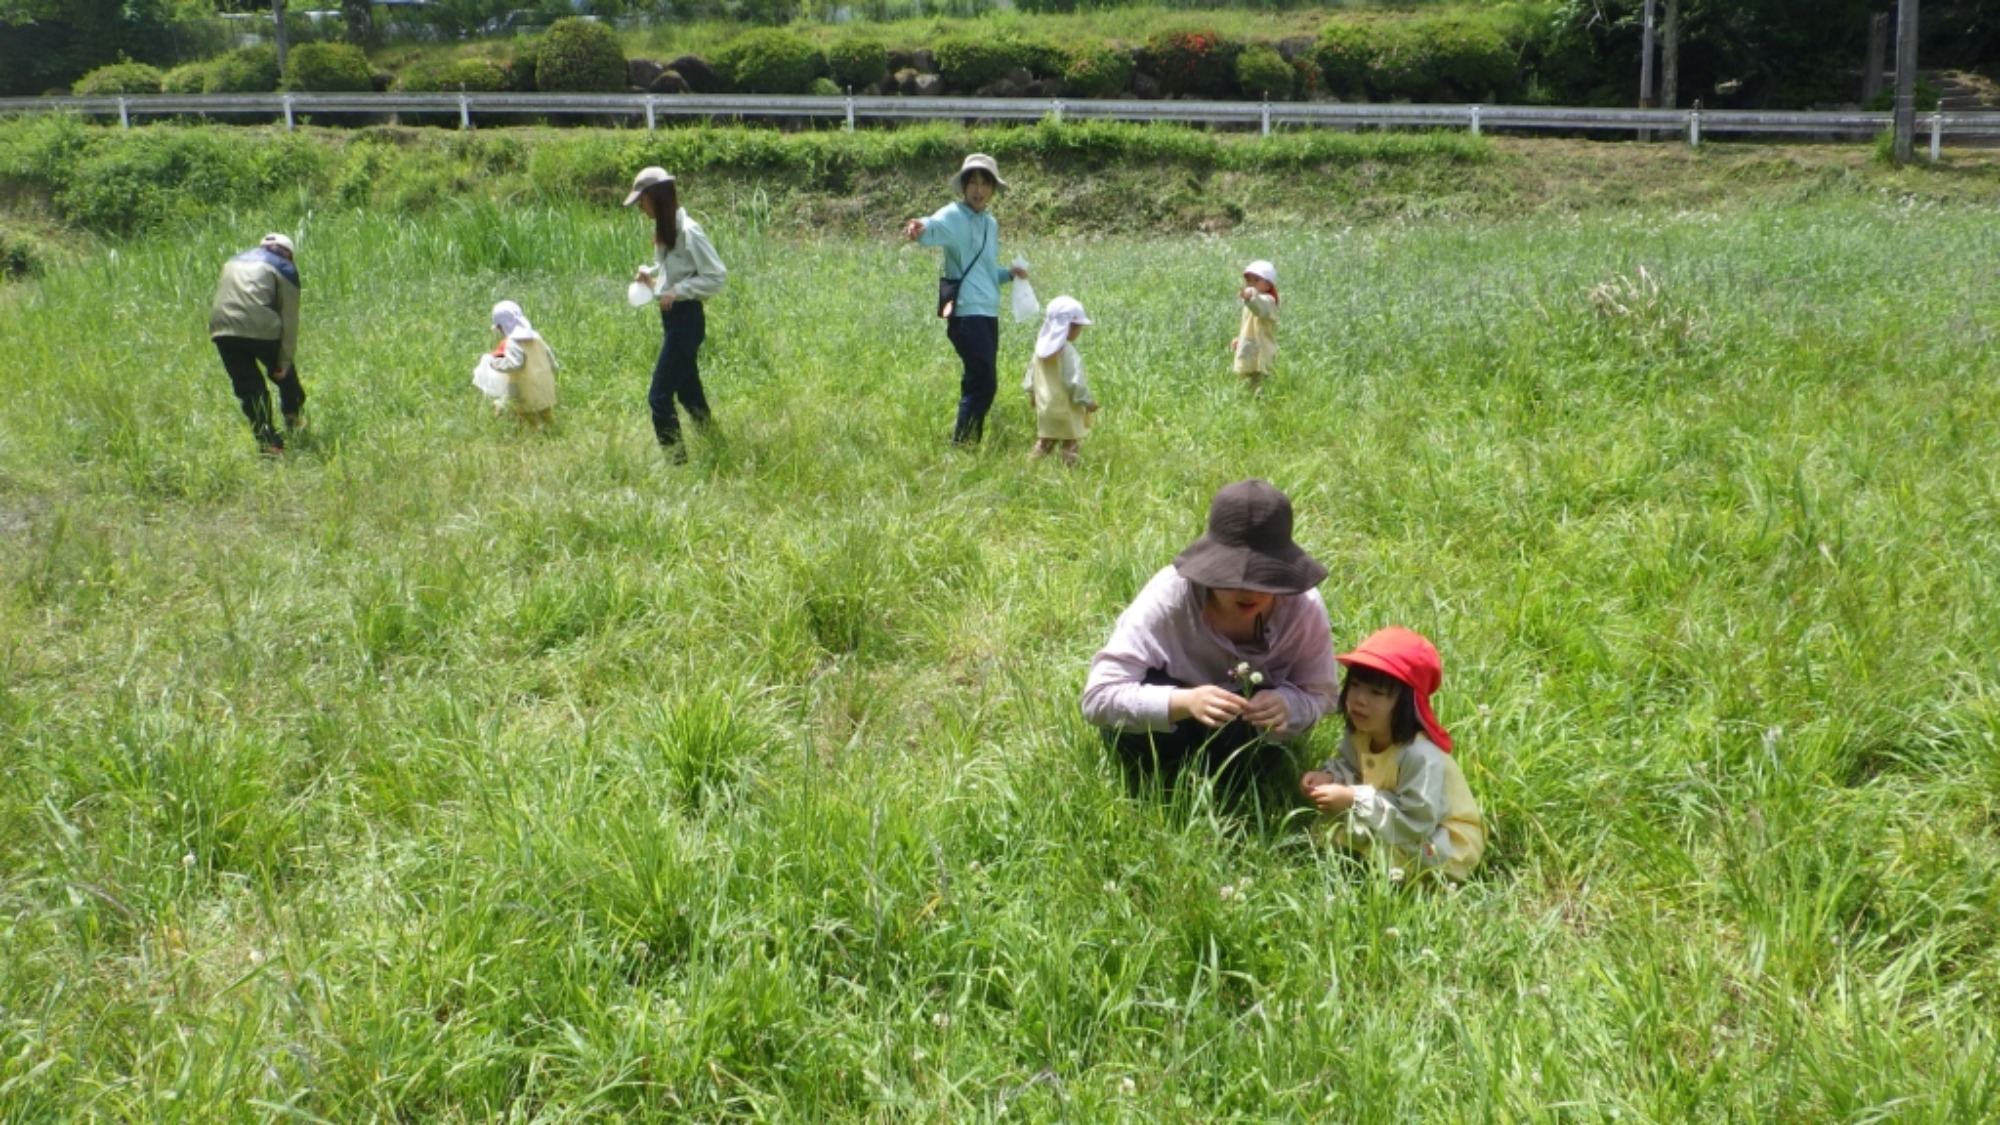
464, 114
124, 114
649, 113
1055, 110
850, 109
288, 113
1694, 129
1937, 136
1266, 115
1475, 121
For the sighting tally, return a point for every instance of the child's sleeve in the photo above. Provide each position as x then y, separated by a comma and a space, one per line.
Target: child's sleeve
1072, 375
1263, 306
511, 359
1343, 767
1406, 816
940, 229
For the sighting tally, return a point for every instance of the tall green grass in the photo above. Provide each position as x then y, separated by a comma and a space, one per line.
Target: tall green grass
448, 771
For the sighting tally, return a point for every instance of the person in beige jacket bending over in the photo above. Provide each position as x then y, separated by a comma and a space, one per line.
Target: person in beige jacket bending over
254, 321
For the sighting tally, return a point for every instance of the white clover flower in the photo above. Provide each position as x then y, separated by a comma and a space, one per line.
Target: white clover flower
1396, 875
187, 860
257, 957
941, 1021
1110, 887
1425, 952
1127, 1086
642, 949
1227, 892
1392, 933
1542, 990
1256, 677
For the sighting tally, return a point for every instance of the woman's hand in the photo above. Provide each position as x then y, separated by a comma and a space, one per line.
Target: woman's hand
912, 229
1019, 273
643, 275
1208, 705
1267, 711
667, 301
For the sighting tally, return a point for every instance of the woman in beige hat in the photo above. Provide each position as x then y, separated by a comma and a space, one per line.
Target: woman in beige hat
969, 291
685, 272
1229, 645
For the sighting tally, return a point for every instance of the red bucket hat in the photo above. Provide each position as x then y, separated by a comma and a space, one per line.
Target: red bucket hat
1410, 658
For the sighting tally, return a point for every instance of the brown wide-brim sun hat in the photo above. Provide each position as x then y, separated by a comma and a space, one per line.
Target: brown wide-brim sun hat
1248, 545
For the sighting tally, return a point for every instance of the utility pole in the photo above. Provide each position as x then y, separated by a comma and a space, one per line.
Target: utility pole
278, 32
1670, 57
1906, 79
1646, 67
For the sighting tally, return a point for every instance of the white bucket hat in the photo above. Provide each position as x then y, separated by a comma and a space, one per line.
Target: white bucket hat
277, 241
977, 162
1056, 319
646, 178
1263, 269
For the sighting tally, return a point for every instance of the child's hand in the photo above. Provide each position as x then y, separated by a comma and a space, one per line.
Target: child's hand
1234, 340
1267, 710
912, 229
1313, 779
1019, 273
1208, 705
1331, 798
1245, 293
1093, 408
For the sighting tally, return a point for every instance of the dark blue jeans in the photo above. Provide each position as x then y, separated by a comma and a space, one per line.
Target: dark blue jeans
977, 339
677, 374
249, 362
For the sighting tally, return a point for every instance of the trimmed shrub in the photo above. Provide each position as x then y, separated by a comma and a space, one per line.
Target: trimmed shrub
579, 56
250, 70
474, 76
823, 87
520, 73
1198, 62
1098, 70
189, 79
120, 78
328, 68
856, 62
770, 61
1442, 58
1263, 73
967, 62
1307, 82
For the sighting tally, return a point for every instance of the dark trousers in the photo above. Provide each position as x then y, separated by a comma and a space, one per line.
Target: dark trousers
249, 362
977, 339
1236, 754
677, 373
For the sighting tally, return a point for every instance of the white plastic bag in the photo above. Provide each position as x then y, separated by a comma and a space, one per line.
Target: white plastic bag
1026, 307
492, 383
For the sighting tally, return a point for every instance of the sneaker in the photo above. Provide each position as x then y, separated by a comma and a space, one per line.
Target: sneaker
676, 453
271, 451
296, 423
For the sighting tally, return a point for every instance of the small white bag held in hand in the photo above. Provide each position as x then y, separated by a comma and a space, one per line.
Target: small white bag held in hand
1026, 307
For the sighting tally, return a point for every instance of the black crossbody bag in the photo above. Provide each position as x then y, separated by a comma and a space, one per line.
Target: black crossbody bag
948, 286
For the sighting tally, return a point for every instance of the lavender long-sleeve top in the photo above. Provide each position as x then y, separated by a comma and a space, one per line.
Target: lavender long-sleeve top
1163, 631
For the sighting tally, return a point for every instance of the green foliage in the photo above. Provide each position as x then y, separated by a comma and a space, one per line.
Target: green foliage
770, 61
120, 78
471, 75
21, 254
1263, 73
328, 68
1098, 70
968, 62
157, 177
1420, 58
857, 61
247, 70
189, 79
823, 87
577, 55
1924, 95
1196, 62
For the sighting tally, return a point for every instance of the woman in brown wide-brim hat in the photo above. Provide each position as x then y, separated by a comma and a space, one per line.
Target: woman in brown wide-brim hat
1228, 645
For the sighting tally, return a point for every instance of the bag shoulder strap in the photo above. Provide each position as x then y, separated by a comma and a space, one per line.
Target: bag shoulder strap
985, 232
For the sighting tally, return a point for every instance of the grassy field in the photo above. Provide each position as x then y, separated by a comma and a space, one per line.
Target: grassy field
446, 771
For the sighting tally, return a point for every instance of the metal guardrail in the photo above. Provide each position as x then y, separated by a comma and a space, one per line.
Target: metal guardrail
1693, 124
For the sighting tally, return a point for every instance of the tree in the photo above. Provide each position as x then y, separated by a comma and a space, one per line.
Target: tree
360, 16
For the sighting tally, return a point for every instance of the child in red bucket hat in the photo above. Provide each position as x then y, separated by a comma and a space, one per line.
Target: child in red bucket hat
1393, 780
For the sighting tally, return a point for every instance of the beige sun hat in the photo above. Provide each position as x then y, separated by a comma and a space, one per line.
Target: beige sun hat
977, 162
277, 242
646, 178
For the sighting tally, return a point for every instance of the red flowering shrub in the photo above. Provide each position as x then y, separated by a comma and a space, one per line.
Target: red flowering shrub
1199, 63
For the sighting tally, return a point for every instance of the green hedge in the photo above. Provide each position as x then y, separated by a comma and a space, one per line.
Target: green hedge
771, 61
189, 79
855, 62
328, 68
474, 76
968, 62
249, 70
1437, 58
119, 78
1097, 70
579, 56
1261, 72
